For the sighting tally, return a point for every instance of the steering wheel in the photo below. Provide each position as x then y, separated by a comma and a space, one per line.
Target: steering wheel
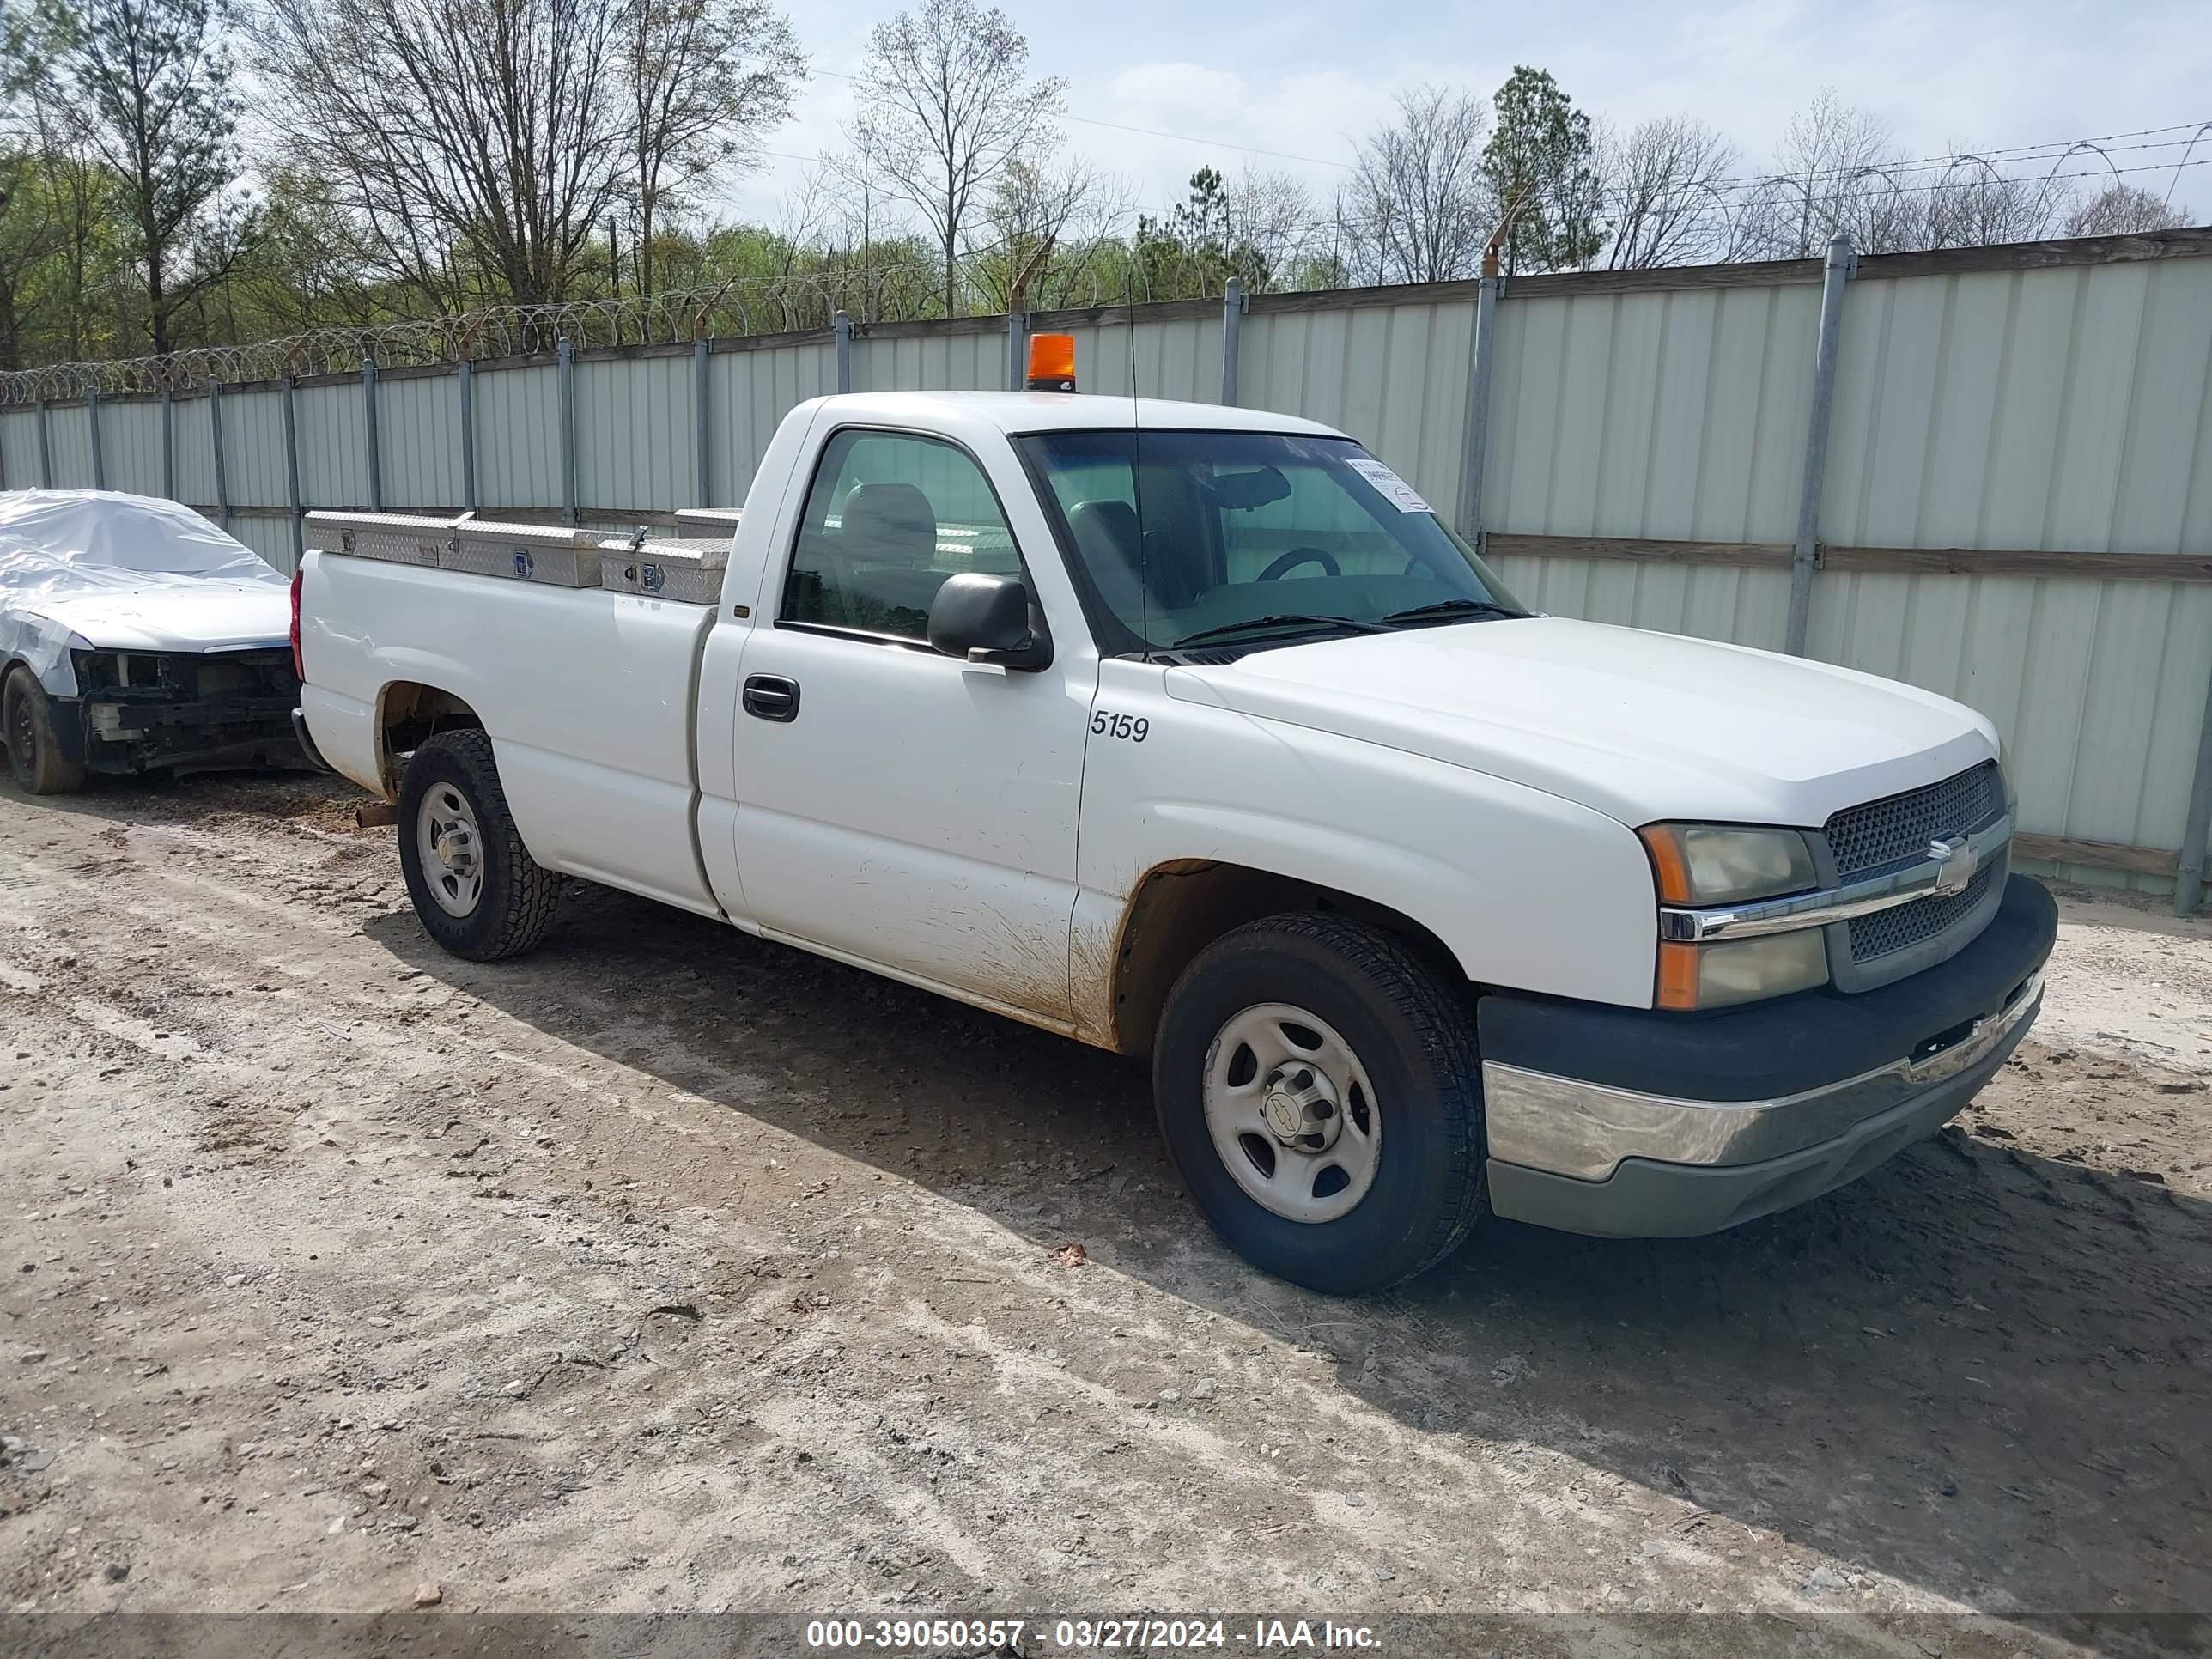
1296, 557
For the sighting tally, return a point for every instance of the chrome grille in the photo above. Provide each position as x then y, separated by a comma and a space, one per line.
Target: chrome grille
1898, 830
1903, 926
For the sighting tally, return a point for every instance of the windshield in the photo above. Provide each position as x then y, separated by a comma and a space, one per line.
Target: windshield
1248, 538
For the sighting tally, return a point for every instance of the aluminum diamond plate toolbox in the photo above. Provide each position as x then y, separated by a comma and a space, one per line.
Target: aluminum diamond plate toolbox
389, 538
555, 556
686, 570
693, 522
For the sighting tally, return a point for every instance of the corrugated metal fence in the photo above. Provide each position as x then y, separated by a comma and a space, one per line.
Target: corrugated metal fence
2015, 508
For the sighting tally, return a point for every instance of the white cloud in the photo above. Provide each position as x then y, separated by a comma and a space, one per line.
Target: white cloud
1307, 79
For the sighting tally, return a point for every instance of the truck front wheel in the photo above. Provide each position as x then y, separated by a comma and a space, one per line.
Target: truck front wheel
1319, 1089
476, 890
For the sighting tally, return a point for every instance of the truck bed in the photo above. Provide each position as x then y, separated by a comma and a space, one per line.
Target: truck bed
586, 693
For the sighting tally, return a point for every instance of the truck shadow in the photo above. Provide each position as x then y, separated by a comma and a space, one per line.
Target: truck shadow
1979, 1370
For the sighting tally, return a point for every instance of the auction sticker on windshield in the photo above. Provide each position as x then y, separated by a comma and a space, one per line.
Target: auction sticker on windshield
1395, 489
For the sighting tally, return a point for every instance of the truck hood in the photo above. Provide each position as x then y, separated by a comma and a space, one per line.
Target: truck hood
196, 615
1641, 726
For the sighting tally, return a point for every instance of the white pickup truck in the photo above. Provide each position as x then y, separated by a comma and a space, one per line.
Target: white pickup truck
1191, 733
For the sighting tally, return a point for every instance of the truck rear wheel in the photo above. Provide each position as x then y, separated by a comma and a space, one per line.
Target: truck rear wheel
34, 752
476, 890
1319, 1089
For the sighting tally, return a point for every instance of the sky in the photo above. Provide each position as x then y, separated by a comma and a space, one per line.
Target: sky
1309, 78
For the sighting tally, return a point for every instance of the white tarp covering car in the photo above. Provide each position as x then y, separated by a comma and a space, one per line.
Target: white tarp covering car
136, 636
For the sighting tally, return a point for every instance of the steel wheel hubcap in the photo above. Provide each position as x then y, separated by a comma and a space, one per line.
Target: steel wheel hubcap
449, 850
1292, 1113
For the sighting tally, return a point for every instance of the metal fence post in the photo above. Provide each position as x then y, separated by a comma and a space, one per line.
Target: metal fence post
1233, 304
2189, 871
567, 356
375, 451
842, 325
1017, 358
1481, 355
467, 378
45, 446
1805, 556
703, 457
222, 473
168, 444
292, 471
98, 450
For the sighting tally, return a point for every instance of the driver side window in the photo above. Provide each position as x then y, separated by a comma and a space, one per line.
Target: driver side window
889, 516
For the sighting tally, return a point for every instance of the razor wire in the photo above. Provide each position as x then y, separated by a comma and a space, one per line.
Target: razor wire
799, 302
781, 304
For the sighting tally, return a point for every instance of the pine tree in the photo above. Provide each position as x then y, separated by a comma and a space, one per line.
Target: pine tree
1540, 169
154, 79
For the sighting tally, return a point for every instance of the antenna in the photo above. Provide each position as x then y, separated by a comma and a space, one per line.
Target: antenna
1137, 463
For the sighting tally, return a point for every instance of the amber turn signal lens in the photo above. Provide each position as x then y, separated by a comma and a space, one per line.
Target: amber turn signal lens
1678, 975
1668, 864
1052, 362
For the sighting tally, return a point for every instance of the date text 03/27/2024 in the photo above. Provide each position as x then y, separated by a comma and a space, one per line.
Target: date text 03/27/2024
923, 1635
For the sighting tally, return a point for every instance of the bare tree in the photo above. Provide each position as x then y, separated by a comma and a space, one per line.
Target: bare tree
1272, 213
946, 105
1416, 207
707, 80
153, 82
1836, 170
1664, 195
1968, 202
803, 212
2120, 210
859, 207
1045, 226
477, 143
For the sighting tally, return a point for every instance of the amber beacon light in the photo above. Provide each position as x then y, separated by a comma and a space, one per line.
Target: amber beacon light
1052, 362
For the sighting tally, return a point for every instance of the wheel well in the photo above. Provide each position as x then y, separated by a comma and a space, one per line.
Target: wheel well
1182, 907
408, 715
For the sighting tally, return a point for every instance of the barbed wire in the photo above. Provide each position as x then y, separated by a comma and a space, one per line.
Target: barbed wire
802, 300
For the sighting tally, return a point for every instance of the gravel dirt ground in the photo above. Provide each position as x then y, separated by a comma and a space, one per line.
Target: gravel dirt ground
670, 1270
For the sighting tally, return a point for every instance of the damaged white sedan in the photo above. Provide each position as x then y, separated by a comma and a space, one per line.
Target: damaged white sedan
136, 637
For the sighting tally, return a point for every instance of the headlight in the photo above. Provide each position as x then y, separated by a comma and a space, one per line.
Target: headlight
1729, 971
1720, 864
1705, 864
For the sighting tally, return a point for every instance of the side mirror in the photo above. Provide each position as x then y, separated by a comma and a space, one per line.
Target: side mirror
984, 618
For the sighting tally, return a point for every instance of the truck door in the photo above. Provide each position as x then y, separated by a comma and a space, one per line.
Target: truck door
896, 806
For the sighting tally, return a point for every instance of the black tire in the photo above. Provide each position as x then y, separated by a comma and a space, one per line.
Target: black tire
34, 752
1413, 1033
515, 903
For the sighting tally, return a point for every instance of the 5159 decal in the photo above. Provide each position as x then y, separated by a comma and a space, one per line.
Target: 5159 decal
1135, 728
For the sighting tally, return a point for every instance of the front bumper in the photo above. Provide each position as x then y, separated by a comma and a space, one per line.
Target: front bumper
1636, 1124
178, 711
148, 736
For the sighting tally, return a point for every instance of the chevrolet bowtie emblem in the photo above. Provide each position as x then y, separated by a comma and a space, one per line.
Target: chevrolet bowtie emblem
1955, 863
